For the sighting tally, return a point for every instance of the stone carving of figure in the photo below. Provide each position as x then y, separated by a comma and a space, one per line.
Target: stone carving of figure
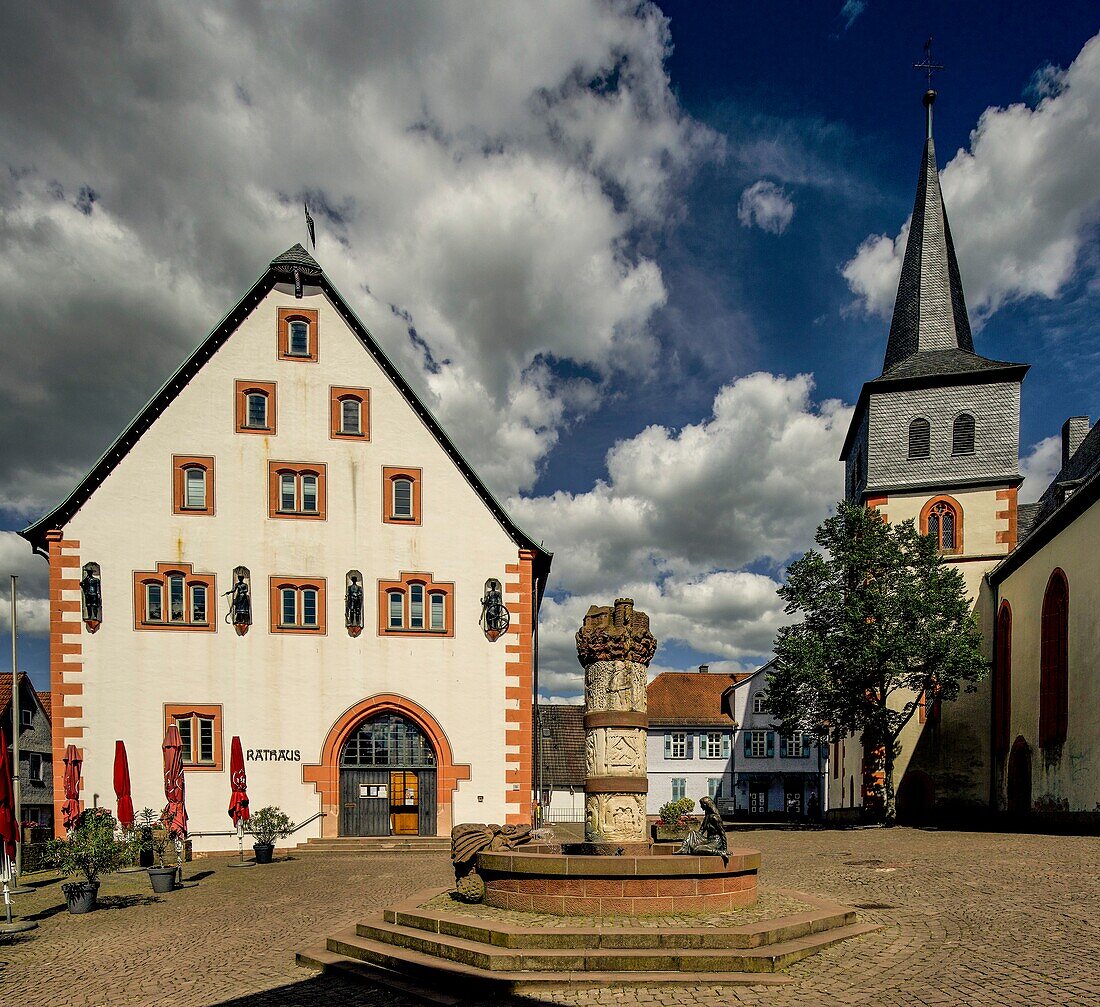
353, 603
240, 604
93, 597
710, 837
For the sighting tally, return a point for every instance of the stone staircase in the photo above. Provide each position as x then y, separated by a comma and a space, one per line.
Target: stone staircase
457, 951
376, 844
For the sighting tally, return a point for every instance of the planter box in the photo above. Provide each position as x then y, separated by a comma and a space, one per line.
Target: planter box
663, 834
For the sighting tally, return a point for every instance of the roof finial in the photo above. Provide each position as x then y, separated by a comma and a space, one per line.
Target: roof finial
929, 66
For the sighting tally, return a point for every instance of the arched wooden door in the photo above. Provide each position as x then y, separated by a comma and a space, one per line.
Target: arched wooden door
387, 779
1019, 778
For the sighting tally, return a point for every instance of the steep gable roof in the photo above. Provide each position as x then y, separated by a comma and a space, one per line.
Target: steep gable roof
298, 266
688, 699
6, 694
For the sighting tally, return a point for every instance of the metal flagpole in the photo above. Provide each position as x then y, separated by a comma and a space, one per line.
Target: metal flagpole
16, 727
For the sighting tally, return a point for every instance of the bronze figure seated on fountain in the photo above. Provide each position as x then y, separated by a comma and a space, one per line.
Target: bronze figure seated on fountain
710, 837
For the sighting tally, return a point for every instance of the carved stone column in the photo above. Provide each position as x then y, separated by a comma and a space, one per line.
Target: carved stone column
615, 646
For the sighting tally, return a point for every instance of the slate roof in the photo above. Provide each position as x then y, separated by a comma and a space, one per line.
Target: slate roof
279, 270
562, 754
689, 699
1071, 492
942, 363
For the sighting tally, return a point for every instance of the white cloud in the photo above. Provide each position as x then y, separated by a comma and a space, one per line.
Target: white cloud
852, 10
481, 178
765, 205
32, 593
1022, 199
682, 512
1039, 467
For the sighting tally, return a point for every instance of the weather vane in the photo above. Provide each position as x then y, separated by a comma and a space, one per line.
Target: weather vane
928, 65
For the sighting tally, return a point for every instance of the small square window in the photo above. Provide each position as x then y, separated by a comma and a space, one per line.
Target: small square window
26, 717
297, 490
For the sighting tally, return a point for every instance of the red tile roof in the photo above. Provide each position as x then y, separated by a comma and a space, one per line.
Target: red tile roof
689, 698
5, 690
46, 699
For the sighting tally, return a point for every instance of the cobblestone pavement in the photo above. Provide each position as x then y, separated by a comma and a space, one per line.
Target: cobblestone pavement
967, 919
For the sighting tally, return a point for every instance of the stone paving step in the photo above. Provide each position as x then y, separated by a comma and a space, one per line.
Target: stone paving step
376, 844
369, 942
322, 959
508, 935
376, 961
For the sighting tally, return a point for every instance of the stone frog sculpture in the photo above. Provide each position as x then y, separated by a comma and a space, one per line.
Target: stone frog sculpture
470, 839
710, 837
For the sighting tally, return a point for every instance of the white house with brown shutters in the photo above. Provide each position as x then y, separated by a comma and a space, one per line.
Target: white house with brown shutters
284, 545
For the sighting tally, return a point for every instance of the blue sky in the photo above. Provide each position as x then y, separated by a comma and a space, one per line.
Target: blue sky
646, 252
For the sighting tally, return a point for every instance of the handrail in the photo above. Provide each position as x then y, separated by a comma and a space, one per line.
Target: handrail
300, 825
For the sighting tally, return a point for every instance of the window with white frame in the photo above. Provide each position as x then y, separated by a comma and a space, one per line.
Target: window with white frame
194, 488
198, 603
758, 744
438, 610
416, 606
176, 610
256, 414
714, 786
679, 787
197, 738
37, 763
26, 717
714, 745
402, 498
794, 745
298, 341
678, 746
397, 610
297, 491
760, 703
350, 416
298, 608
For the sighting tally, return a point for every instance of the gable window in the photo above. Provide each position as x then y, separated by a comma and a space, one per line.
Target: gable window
192, 484
297, 490
297, 605
1054, 663
415, 605
297, 334
920, 438
200, 730
941, 518
255, 410
349, 413
401, 495
760, 703
962, 435
173, 596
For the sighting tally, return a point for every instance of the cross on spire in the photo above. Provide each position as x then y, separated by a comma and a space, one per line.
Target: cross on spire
928, 64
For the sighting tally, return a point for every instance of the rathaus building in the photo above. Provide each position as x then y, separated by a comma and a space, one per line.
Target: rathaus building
285, 546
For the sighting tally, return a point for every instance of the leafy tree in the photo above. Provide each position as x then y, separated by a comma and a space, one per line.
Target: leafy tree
884, 621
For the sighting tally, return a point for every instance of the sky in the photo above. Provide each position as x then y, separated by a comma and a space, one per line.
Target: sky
637, 258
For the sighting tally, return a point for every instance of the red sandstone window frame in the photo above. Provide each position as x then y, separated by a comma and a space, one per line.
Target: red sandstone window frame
275, 472
403, 587
159, 576
191, 763
276, 586
956, 508
181, 465
1054, 662
241, 391
338, 395
312, 318
390, 475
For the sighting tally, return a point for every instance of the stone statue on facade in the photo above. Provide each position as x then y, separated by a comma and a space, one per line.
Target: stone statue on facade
91, 590
353, 604
710, 838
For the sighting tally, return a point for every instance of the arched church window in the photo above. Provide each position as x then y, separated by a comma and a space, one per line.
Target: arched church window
962, 435
1054, 662
920, 438
941, 518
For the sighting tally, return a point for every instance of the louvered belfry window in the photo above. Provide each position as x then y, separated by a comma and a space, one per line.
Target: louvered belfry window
920, 438
962, 435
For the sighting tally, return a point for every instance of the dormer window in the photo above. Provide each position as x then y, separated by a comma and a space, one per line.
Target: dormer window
297, 334
920, 438
962, 435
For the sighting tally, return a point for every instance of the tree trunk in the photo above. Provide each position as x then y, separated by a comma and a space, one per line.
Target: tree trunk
890, 811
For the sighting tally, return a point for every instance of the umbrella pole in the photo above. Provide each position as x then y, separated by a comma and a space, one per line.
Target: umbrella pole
10, 927
179, 860
16, 725
240, 846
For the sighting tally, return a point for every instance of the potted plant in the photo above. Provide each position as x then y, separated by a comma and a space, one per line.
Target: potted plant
676, 821
92, 848
267, 825
154, 845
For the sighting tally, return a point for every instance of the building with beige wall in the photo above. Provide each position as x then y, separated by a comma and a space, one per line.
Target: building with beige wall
288, 455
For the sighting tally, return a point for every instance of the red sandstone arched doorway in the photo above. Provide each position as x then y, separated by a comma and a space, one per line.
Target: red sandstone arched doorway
915, 798
1019, 778
325, 774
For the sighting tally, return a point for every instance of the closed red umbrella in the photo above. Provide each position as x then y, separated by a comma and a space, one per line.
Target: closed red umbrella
122, 787
238, 802
175, 814
70, 810
8, 825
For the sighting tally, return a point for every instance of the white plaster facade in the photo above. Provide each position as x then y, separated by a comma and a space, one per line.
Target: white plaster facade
277, 691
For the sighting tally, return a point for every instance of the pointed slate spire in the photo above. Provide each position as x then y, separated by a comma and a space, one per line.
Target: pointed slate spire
930, 310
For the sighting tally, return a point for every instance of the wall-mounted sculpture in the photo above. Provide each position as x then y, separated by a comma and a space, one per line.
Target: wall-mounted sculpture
239, 615
353, 602
494, 613
615, 646
91, 596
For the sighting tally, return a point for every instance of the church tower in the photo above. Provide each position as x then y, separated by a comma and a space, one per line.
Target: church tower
935, 437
